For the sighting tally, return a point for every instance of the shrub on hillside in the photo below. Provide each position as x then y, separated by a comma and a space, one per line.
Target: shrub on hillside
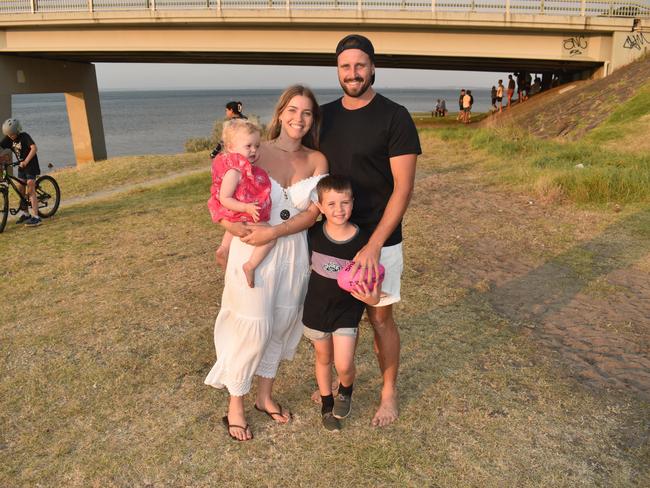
196, 144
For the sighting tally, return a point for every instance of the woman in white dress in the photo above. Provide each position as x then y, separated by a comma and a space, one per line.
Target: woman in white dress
257, 327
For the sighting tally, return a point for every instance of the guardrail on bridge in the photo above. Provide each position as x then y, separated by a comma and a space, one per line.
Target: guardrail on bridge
615, 8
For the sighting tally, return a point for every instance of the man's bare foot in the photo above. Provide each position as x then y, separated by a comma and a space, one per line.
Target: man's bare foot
387, 412
221, 256
315, 397
249, 271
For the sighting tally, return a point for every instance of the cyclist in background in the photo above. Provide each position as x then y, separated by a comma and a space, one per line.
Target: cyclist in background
24, 148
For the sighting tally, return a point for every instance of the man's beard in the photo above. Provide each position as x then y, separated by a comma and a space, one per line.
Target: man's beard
359, 91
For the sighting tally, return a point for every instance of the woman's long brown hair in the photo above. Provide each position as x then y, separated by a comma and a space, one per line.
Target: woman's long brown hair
311, 139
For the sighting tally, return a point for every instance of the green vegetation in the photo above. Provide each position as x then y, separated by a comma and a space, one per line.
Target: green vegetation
198, 144
610, 165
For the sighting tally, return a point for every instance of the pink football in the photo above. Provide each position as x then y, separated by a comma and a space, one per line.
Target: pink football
346, 281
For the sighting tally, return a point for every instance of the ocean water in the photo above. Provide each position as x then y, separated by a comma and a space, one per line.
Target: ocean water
159, 122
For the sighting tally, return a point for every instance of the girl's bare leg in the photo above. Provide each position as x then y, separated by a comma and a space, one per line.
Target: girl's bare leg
257, 256
222, 252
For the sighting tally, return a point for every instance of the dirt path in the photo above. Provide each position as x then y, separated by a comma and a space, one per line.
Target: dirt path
127, 188
576, 281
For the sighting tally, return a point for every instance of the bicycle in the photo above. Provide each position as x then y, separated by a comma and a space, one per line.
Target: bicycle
48, 194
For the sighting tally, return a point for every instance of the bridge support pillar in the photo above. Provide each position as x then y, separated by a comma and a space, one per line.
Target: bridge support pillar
21, 74
5, 107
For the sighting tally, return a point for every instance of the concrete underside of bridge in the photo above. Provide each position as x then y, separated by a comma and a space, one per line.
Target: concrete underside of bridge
54, 52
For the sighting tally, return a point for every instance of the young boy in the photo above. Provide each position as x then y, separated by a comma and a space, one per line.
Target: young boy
331, 315
24, 148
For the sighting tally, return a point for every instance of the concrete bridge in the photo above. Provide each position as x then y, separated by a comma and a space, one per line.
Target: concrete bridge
50, 45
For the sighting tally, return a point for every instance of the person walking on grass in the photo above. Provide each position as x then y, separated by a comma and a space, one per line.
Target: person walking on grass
511, 90
460, 117
500, 95
372, 141
24, 148
331, 315
467, 106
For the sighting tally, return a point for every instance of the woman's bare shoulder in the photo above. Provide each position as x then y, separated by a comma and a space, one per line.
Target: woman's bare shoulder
318, 161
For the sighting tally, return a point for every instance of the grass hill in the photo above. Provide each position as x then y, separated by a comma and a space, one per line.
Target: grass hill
572, 110
584, 142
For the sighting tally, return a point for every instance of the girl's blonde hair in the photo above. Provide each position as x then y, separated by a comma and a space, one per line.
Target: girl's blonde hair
311, 139
233, 127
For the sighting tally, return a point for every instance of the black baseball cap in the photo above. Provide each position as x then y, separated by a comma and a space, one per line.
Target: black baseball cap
356, 41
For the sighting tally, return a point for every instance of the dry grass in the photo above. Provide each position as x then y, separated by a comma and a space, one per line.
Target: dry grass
107, 336
126, 170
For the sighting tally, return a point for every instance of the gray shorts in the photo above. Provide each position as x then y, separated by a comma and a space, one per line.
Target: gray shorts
317, 335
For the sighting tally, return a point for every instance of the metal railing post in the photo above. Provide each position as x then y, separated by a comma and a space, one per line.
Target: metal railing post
583, 7
507, 7
153, 5
359, 6
219, 7
91, 6
541, 6
33, 5
433, 6
288, 6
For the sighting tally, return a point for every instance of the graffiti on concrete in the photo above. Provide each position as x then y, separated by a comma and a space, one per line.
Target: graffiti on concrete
575, 45
635, 41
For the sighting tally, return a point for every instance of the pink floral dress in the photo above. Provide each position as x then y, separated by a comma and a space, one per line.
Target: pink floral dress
254, 186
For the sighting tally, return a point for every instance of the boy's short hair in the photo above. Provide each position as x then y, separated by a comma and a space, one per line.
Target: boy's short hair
333, 183
233, 126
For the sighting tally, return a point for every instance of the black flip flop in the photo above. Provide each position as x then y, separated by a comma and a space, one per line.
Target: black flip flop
271, 414
229, 426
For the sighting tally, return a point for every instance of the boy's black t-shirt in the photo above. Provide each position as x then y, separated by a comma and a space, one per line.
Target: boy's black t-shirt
358, 145
21, 147
328, 307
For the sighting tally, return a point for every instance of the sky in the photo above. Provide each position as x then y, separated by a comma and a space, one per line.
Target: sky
133, 76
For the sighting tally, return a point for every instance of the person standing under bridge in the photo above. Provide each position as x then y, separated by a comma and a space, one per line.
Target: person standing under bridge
372, 141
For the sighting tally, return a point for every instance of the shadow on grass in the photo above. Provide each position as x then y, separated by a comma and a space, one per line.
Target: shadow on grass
530, 299
557, 282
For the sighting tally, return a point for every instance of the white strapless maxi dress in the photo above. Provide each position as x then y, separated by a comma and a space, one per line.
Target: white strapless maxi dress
258, 327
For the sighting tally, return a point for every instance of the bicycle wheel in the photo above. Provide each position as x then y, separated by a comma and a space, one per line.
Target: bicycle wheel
4, 208
48, 194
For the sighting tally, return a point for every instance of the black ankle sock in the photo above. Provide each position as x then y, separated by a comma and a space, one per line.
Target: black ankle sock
345, 390
327, 403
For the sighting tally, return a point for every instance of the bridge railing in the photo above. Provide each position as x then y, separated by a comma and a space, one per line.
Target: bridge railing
613, 8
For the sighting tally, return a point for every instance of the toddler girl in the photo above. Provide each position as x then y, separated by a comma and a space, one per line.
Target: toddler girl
240, 192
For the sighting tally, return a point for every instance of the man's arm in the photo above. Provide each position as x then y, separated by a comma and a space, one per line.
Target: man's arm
403, 170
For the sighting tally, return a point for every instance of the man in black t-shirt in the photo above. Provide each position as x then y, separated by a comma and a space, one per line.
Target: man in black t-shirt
373, 142
24, 148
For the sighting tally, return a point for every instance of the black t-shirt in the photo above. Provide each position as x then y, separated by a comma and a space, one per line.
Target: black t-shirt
21, 147
328, 307
358, 145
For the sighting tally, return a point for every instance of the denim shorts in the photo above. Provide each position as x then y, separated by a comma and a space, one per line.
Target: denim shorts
317, 335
